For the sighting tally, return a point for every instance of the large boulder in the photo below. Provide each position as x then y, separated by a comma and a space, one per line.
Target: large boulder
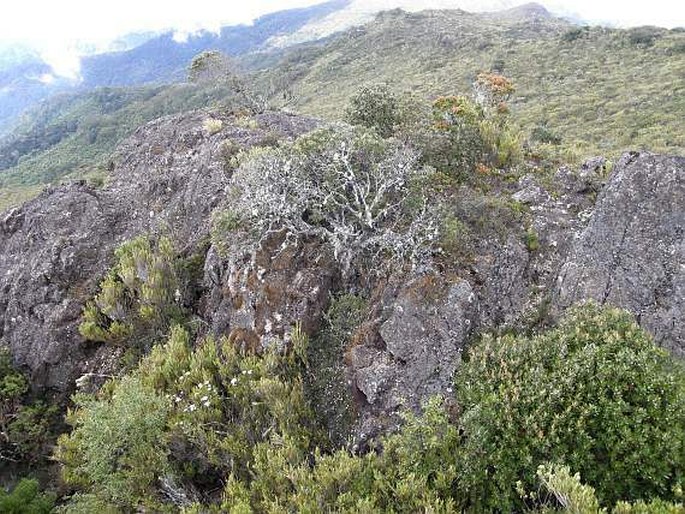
632, 253
167, 178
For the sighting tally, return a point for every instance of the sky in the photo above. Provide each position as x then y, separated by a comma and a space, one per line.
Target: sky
59, 28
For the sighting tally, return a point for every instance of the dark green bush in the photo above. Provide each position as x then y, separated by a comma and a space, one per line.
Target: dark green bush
376, 107
25, 424
594, 394
543, 134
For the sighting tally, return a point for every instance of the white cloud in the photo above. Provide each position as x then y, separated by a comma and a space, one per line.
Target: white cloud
58, 28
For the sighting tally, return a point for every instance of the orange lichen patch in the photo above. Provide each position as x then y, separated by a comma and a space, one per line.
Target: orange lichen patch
245, 338
482, 168
237, 301
366, 334
427, 288
157, 149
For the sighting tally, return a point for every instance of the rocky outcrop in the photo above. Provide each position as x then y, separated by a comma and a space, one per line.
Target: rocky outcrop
410, 350
555, 249
632, 254
255, 297
167, 178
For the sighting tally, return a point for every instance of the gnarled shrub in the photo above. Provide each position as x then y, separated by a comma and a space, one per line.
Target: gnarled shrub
346, 186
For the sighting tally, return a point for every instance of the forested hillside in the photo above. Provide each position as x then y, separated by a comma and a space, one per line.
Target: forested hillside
591, 90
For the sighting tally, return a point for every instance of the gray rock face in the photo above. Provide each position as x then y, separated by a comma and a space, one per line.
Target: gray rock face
632, 253
413, 352
167, 178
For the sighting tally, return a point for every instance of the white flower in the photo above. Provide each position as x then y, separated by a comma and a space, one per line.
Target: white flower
204, 398
234, 381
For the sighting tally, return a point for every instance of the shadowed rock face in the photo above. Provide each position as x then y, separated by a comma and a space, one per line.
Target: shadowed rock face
168, 177
632, 253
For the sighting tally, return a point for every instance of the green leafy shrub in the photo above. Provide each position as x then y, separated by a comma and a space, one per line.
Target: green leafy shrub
644, 36
25, 424
575, 34
225, 223
117, 448
26, 498
414, 473
185, 420
139, 298
565, 493
31, 432
453, 143
455, 237
595, 394
376, 107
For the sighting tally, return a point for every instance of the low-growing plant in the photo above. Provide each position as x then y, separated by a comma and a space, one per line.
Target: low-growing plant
26, 498
532, 240
225, 223
139, 298
212, 126
564, 493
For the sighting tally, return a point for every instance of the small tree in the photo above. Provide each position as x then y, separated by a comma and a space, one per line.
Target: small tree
344, 185
212, 67
376, 107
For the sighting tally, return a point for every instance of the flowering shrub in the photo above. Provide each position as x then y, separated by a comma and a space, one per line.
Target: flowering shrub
185, 418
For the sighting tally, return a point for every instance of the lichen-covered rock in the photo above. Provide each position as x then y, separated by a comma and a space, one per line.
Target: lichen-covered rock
632, 253
256, 297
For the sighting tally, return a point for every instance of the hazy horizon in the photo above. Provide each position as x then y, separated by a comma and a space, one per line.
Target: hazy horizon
68, 29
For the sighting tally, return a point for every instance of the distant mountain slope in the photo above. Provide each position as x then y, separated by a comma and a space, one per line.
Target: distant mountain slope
163, 59
591, 90
25, 78
600, 90
74, 133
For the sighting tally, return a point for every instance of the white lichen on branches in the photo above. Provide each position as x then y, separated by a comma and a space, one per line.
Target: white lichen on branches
348, 187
